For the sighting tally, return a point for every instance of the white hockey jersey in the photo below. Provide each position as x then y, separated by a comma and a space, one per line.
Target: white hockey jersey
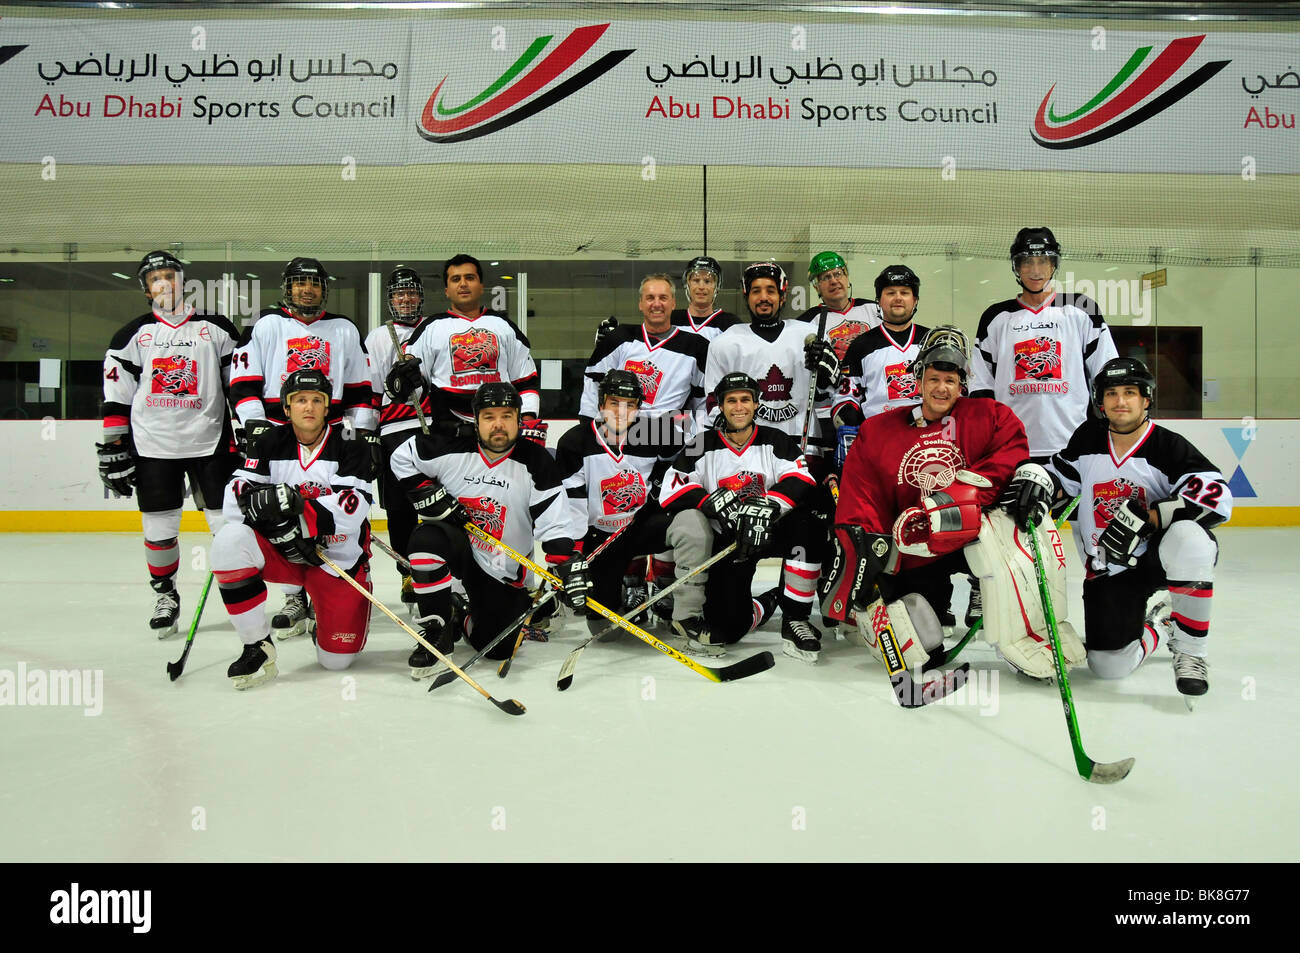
670, 368
393, 418
844, 327
336, 497
1161, 466
517, 498
166, 383
879, 372
458, 353
768, 465
1041, 362
608, 485
278, 344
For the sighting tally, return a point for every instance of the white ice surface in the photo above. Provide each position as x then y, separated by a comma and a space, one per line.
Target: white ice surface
641, 759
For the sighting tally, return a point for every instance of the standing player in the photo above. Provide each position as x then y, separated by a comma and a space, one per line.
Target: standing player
1149, 500
300, 334
166, 378
668, 361
879, 362
1038, 353
612, 468
701, 279
397, 421
510, 489
915, 483
847, 317
462, 348
743, 482
308, 488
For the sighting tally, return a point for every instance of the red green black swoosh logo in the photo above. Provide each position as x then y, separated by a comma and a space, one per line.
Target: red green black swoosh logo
1128, 99
506, 100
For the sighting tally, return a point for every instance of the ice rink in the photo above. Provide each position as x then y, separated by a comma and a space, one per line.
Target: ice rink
641, 759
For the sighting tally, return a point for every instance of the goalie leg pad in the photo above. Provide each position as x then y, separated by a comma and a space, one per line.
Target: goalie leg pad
857, 558
902, 632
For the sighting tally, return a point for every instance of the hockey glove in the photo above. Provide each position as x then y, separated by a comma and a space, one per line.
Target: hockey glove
374, 452
605, 329
250, 438
820, 357
289, 542
434, 502
1029, 495
577, 582
723, 505
403, 380
1127, 530
945, 521
116, 467
270, 503
755, 527
533, 429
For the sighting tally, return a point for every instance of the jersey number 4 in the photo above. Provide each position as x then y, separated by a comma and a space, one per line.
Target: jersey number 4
111, 375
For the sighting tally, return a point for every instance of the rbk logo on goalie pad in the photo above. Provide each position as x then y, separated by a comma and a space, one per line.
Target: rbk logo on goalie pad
1039, 359
473, 352
310, 353
649, 375
623, 492
178, 376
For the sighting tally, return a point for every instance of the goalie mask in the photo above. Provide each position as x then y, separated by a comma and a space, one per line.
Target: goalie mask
944, 348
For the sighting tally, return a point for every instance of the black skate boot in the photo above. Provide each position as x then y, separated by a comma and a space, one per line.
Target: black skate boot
166, 611
254, 666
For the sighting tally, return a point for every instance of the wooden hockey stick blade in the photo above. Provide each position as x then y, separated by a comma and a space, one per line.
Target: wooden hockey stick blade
911, 695
175, 668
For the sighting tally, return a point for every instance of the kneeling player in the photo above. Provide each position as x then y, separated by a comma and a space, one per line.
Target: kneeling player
610, 467
511, 490
308, 488
733, 486
1149, 500
910, 515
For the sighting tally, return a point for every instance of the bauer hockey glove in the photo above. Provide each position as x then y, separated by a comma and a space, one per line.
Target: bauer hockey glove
723, 505
250, 438
116, 467
820, 357
434, 502
755, 529
577, 582
1127, 530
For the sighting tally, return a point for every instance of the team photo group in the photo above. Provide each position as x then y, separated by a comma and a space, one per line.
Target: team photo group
877, 458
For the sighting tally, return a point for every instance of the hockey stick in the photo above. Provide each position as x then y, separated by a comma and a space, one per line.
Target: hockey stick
510, 706
175, 668
523, 620
979, 623
812, 383
908, 693
750, 666
1089, 770
401, 560
565, 678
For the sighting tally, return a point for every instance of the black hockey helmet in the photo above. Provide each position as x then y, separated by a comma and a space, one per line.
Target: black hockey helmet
736, 380
300, 269
403, 279
945, 348
764, 269
899, 275
154, 261
305, 378
703, 263
496, 394
1119, 371
620, 383
1034, 243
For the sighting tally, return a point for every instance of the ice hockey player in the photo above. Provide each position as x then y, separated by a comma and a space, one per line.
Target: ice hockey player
508, 487
846, 316
1149, 501
915, 483
300, 334
747, 483
308, 488
667, 360
166, 378
404, 292
612, 468
1038, 353
458, 350
701, 280
879, 361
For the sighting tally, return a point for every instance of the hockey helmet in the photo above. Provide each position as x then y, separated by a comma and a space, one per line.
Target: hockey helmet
304, 269
305, 379
154, 261
403, 279
737, 380
944, 348
620, 383
764, 269
496, 394
1034, 243
703, 263
899, 275
824, 262
1119, 371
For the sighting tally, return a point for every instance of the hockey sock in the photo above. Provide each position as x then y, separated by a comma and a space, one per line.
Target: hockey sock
1190, 605
244, 593
431, 580
800, 586
164, 557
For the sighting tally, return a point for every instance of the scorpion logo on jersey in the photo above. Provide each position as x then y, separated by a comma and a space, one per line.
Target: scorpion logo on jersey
649, 376
1038, 359
841, 337
1109, 498
930, 467
474, 350
310, 352
900, 383
311, 490
746, 484
623, 492
178, 376
486, 513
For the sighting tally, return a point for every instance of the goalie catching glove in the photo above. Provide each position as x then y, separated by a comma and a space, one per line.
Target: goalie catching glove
945, 521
